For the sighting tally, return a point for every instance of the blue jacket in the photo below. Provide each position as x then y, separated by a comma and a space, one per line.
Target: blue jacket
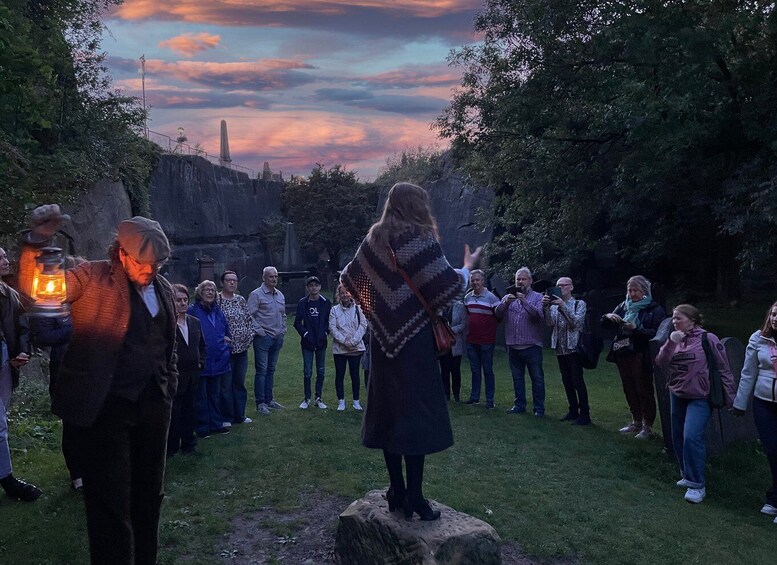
214, 328
312, 322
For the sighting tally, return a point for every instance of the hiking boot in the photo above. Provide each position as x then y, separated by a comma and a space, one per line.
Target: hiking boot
341, 405
318, 402
357, 406
631, 428
305, 404
262, 409
275, 405
695, 495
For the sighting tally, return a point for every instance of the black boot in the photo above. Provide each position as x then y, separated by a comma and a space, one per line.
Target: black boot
20, 490
395, 495
421, 507
571, 416
415, 501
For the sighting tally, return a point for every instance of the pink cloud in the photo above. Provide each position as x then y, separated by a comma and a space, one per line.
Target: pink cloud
267, 74
189, 44
415, 77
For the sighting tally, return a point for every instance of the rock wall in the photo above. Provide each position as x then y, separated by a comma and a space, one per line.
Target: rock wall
210, 210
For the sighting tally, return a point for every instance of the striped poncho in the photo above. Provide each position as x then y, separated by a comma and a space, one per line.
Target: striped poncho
394, 311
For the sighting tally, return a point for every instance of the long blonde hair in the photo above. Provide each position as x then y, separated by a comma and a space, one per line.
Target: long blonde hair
407, 207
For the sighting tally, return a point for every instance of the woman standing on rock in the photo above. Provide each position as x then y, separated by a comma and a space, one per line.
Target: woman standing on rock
406, 414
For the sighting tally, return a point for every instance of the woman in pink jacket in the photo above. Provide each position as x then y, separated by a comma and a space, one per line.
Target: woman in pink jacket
689, 384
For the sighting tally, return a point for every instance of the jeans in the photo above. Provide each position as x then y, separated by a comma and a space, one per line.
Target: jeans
765, 415
225, 398
352, 361
574, 385
481, 357
307, 370
209, 417
239, 394
689, 422
266, 351
520, 360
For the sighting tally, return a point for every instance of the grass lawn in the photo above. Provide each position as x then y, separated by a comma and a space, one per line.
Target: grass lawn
584, 494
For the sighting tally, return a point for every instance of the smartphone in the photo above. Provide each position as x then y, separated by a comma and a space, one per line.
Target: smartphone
553, 292
512, 289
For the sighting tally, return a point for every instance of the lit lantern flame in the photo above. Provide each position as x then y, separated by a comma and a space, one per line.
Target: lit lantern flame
48, 285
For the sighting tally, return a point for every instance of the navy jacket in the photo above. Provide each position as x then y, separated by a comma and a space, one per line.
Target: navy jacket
218, 351
312, 322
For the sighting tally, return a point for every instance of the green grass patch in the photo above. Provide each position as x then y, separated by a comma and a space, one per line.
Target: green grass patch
558, 490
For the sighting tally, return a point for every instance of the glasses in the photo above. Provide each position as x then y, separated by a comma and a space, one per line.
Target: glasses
230, 280
140, 265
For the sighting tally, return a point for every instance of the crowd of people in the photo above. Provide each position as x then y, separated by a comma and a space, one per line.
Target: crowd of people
139, 373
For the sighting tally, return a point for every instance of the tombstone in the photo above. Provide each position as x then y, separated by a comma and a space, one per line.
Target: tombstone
723, 429
206, 269
291, 272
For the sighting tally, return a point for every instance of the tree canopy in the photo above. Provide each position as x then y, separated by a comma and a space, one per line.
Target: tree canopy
61, 126
646, 129
331, 211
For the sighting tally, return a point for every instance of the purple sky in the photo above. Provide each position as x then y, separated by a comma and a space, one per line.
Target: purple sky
298, 82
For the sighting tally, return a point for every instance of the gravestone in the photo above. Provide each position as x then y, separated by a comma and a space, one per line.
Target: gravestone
723, 429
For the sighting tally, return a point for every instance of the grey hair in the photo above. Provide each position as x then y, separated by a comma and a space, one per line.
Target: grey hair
477, 272
526, 271
269, 268
201, 287
640, 282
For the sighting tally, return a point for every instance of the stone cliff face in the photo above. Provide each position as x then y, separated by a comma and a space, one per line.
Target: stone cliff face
210, 210
455, 205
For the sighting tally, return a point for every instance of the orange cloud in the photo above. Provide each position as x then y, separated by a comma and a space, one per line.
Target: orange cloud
189, 44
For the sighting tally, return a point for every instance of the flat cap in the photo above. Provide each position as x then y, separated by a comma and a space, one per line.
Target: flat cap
143, 240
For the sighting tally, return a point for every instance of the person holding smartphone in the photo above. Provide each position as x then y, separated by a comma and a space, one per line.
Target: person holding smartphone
524, 329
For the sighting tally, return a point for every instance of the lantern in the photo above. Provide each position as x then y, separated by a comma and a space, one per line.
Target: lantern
48, 284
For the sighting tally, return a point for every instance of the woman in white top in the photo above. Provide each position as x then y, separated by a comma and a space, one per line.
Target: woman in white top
347, 325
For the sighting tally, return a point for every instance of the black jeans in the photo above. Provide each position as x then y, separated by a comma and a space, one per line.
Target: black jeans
353, 362
574, 385
124, 468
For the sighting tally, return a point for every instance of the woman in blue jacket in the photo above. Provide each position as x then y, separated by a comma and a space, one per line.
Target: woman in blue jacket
217, 373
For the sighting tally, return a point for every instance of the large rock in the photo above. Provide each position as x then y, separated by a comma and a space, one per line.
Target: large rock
369, 533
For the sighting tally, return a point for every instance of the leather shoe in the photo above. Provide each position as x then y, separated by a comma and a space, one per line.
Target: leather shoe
20, 490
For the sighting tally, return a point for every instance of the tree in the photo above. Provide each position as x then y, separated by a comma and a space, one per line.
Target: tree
623, 125
61, 126
331, 212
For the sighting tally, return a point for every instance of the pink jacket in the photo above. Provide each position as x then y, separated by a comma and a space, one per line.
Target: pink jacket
687, 366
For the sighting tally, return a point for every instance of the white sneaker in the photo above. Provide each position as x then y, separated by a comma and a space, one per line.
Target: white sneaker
247, 420
695, 495
226, 424
341, 405
775, 520
769, 510
305, 404
685, 484
357, 406
320, 404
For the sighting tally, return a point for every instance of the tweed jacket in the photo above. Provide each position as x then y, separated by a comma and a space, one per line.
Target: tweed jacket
14, 326
98, 294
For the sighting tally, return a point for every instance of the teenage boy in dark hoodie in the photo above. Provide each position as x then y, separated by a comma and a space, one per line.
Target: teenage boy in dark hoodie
312, 324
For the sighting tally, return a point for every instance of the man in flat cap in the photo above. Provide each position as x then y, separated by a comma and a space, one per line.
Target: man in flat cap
117, 381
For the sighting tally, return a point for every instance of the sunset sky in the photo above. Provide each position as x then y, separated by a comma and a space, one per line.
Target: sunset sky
299, 82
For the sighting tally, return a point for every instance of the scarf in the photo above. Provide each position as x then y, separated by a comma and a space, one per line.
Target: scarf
633, 309
394, 312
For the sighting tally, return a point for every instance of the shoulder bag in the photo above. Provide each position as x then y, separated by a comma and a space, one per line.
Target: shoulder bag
444, 338
589, 346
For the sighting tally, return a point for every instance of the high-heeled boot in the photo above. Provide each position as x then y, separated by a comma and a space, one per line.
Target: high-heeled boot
422, 508
395, 499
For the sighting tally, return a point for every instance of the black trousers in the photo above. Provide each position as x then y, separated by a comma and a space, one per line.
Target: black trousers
123, 456
574, 384
183, 420
450, 369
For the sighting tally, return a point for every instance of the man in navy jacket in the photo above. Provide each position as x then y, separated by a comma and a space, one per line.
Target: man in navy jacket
312, 324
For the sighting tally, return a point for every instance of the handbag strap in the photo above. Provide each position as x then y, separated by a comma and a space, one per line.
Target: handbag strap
413, 287
712, 363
